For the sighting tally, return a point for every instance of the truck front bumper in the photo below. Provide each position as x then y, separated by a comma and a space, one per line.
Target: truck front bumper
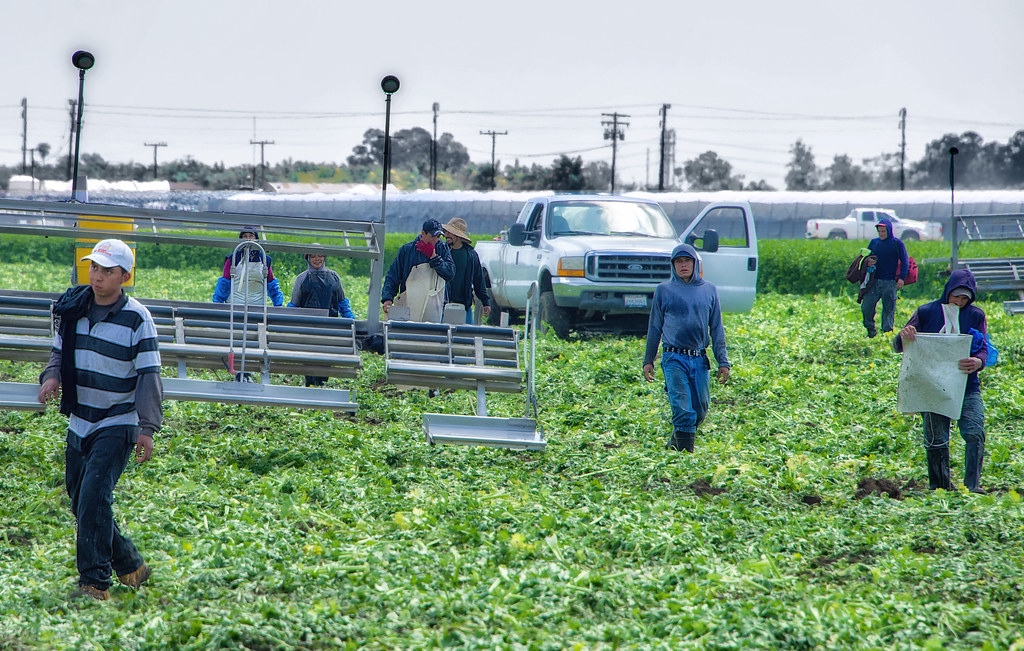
609, 298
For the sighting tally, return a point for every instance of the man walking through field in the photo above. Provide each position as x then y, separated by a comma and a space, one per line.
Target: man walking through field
890, 273
106, 366
687, 317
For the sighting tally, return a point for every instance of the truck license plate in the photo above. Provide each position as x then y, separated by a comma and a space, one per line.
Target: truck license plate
635, 300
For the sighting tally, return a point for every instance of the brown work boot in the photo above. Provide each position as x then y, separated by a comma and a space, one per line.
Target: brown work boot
136, 578
84, 591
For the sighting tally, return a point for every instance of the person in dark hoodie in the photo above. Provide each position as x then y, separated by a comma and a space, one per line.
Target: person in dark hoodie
890, 272
960, 290
418, 276
686, 317
320, 288
469, 274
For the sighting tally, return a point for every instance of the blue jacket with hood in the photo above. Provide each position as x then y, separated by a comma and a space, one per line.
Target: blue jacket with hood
929, 318
686, 314
890, 252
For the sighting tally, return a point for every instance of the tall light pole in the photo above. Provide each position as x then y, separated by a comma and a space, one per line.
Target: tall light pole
953, 151
83, 61
389, 85
433, 151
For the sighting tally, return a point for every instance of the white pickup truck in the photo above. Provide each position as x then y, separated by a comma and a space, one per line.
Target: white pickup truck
597, 259
860, 225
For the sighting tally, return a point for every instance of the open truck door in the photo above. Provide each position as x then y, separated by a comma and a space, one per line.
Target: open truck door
726, 240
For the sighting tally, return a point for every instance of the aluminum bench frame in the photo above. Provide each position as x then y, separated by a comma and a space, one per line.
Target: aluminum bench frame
197, 336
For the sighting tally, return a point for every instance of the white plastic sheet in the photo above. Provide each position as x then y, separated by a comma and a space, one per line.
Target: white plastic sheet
929, 378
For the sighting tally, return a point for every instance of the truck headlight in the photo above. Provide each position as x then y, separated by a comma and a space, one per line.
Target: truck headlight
571, 266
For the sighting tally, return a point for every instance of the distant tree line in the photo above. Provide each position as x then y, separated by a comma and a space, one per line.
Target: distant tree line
979, 165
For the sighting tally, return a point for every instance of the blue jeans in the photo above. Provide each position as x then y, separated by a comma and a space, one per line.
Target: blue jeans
971, 424
687, 383
92, 467
886, 291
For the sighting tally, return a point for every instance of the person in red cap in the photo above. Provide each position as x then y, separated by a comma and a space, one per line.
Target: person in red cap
418, 276
105, 366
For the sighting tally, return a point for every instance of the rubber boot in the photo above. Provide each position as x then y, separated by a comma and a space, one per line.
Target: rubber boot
938, 468
688, 439
675, 442
974, 456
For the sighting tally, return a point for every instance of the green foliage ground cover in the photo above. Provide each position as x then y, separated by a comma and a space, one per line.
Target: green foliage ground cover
275, 528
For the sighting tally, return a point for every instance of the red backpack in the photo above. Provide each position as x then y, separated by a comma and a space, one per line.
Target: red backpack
911, 271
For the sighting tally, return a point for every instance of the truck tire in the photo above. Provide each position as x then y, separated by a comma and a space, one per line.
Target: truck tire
837, 235
910, 236
559, 319
494, 318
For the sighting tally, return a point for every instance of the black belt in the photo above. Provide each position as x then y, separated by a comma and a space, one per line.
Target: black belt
684, 351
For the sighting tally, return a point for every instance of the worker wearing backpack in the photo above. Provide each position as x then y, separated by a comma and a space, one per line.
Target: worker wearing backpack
891, 271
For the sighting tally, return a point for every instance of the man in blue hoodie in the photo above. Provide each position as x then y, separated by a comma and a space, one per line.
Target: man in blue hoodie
418, 275
687, 317
892, 255
960, 291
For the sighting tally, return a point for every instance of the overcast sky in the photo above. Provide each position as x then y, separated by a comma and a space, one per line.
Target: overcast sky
744, 78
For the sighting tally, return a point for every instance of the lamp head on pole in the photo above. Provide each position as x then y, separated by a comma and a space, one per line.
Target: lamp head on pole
390, 84
83, 60
953, 151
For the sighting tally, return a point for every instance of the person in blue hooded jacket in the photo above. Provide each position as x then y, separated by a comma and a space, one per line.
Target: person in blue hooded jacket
251, 276
960, 290
686, 317
890, 272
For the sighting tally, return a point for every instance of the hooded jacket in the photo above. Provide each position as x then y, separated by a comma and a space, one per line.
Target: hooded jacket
929, 318
891, 253
686, 314
321, 288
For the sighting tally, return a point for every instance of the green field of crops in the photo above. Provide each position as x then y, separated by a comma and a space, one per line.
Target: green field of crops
802, 522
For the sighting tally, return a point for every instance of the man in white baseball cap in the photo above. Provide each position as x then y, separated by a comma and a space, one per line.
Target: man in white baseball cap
118, 380
112, 253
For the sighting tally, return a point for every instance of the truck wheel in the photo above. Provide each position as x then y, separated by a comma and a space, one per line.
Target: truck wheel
494, 318
557, 318
910, 236
837, 235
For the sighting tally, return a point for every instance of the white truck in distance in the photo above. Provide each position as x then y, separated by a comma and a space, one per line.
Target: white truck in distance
596, 259
860, 225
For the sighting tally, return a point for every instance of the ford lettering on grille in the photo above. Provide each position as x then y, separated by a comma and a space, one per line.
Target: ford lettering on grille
628, 268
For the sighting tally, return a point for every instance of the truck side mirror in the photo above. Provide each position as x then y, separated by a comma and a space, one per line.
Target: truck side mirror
517, 234
710, 243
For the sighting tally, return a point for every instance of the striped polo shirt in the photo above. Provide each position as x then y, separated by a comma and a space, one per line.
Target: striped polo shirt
108, 360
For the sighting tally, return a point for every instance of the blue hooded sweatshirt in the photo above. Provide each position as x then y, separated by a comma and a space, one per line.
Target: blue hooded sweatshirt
890, 252
929, 318
686, 314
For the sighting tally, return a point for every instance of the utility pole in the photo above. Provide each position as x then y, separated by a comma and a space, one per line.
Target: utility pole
24, 131
154, 145
32, 157
433, 151
494, 136
72, 107
263, 167
614, 133
903, 142
661, 166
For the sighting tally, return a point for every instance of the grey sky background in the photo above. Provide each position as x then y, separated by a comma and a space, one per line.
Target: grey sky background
745, 78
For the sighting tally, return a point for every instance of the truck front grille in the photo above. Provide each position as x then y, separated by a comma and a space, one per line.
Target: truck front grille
627, 268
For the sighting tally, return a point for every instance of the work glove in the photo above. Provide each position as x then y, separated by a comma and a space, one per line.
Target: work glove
426, 248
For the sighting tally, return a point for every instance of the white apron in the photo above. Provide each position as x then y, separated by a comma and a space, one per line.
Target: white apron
930, 378
423, 295
249, 282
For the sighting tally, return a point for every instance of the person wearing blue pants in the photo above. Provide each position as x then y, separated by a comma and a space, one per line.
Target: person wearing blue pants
686, 317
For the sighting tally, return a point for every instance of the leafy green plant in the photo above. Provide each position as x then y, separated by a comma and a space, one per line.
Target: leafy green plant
279, 528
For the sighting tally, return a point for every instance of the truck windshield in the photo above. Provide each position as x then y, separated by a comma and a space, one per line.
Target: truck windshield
608, 218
